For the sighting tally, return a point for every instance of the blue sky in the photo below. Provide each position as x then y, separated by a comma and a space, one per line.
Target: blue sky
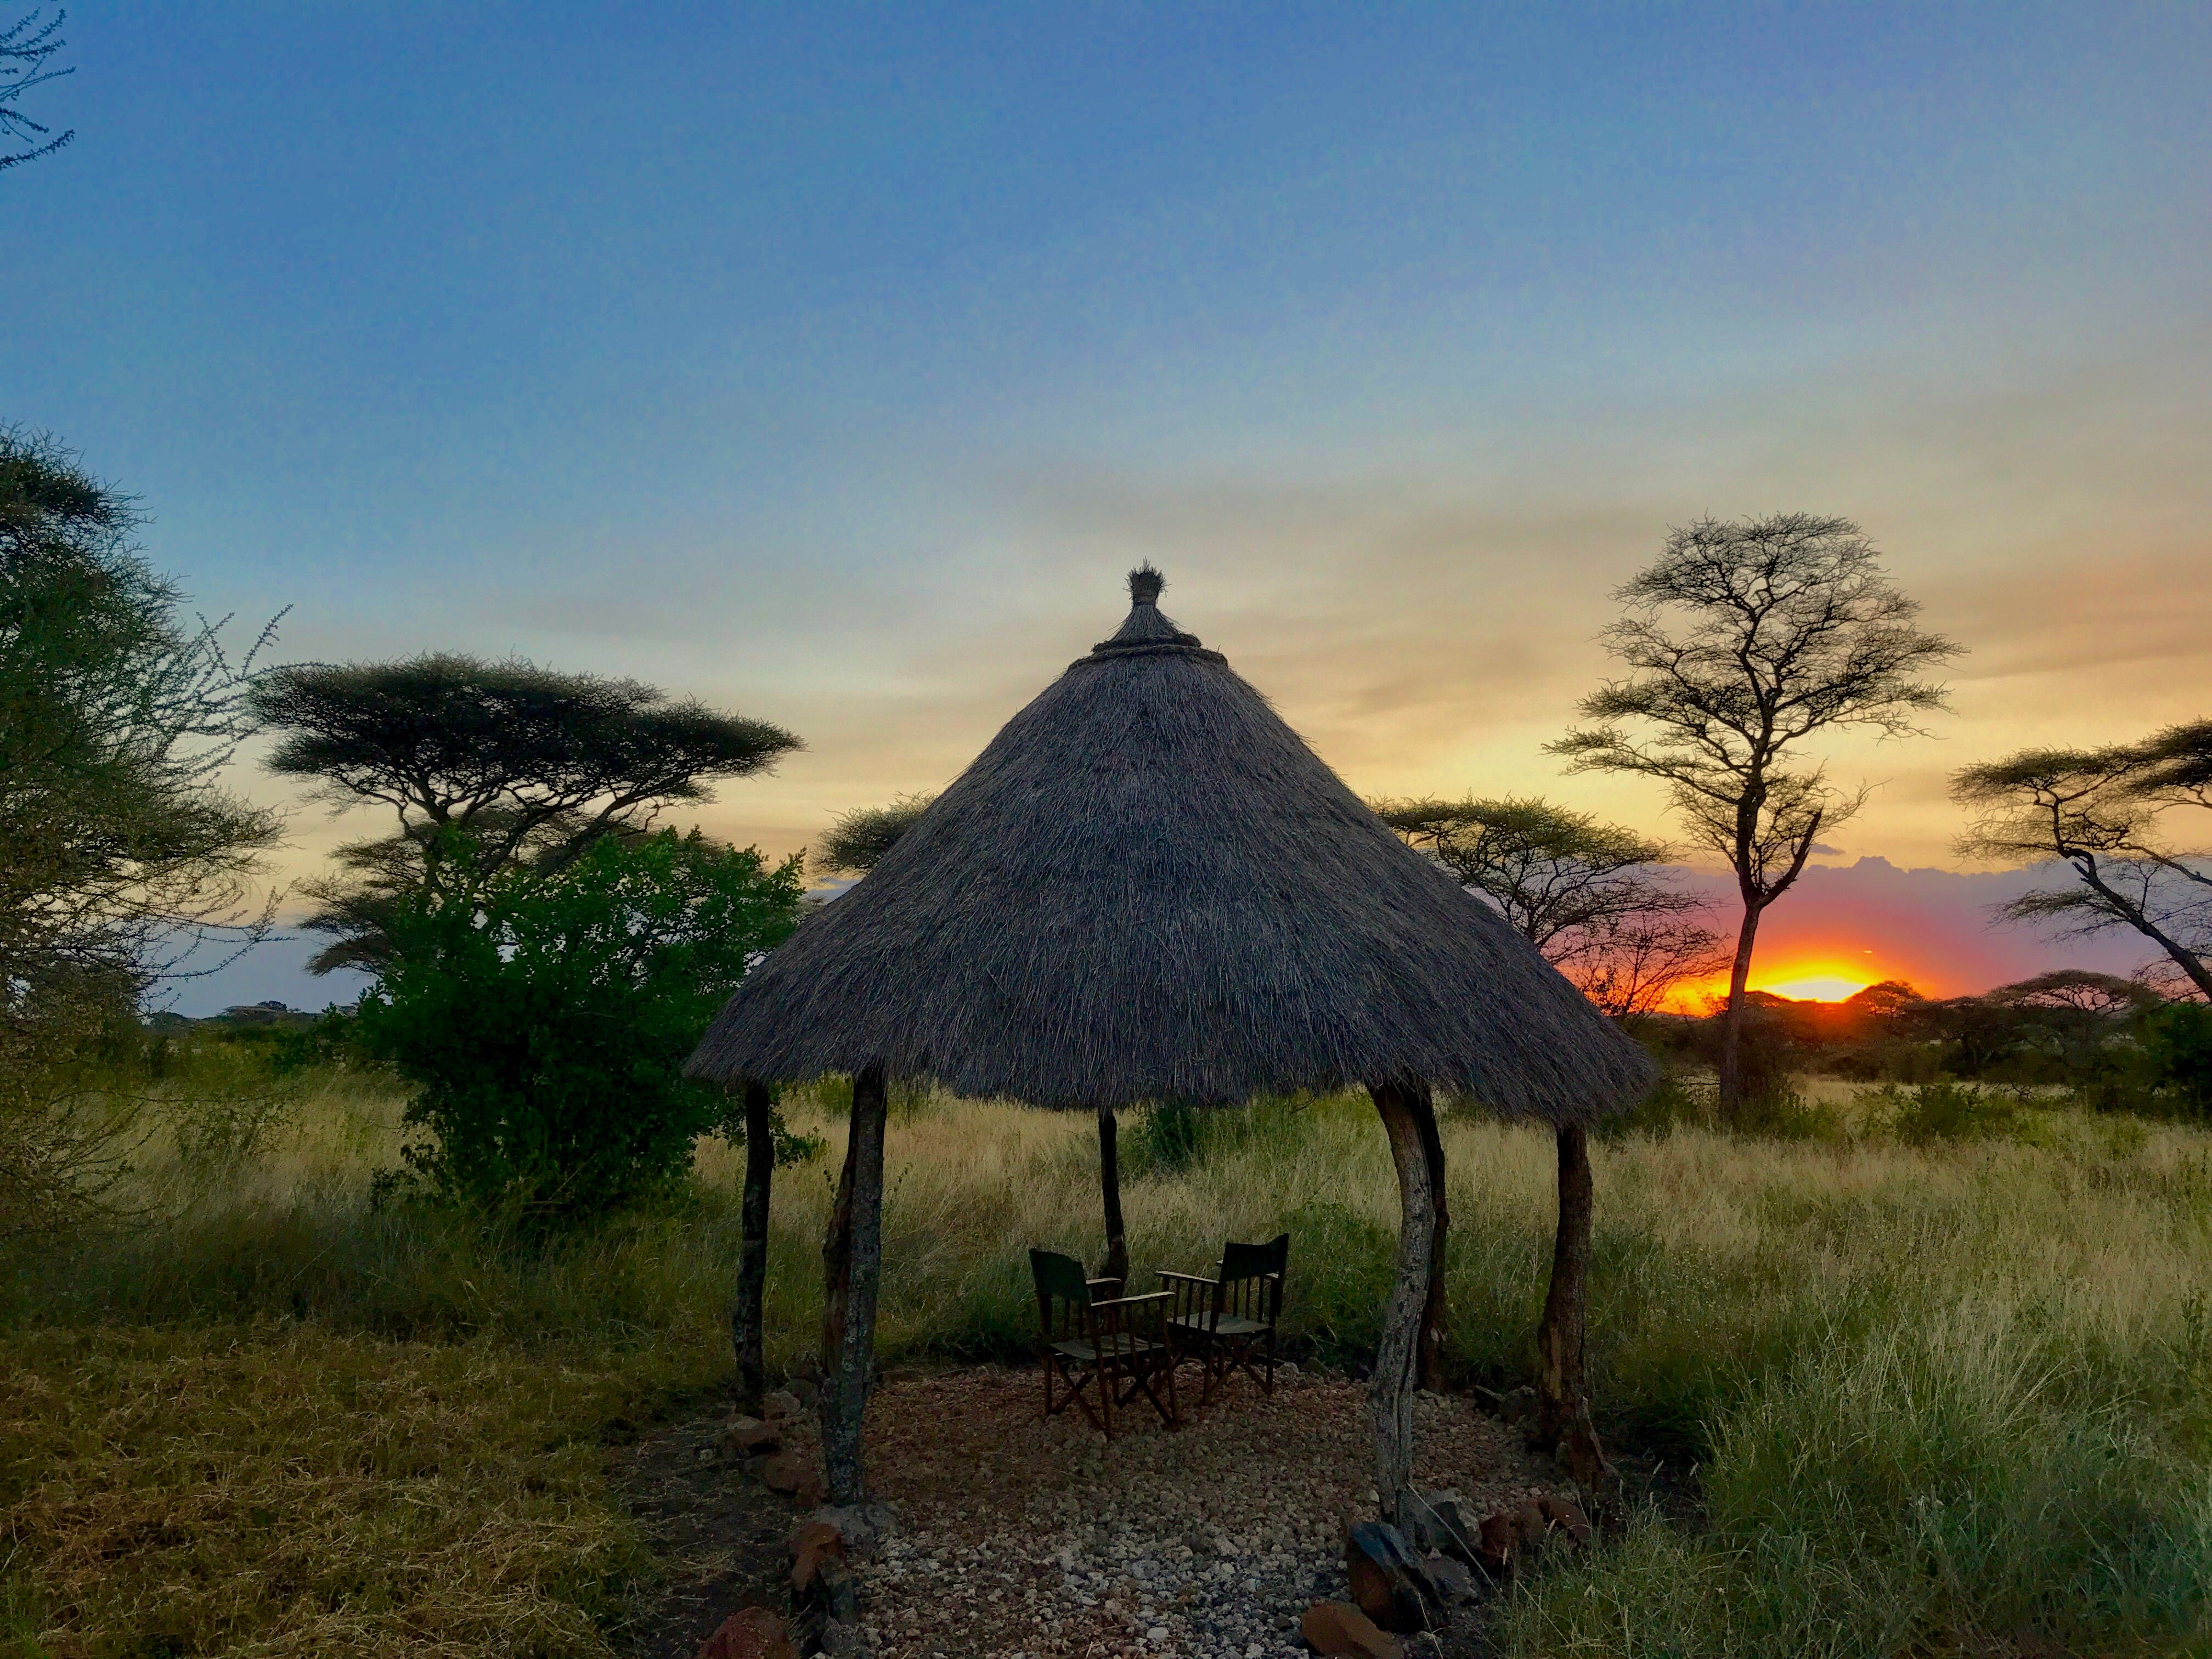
833, 364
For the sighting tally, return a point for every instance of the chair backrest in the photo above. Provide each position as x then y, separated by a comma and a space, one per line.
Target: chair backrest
1251, 1261
1060, 1279
1241, 1263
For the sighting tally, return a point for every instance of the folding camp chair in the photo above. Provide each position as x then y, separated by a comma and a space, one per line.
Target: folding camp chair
1093, 1346
1227, 1321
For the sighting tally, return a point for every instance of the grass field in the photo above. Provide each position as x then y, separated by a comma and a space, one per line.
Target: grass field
1946, 1397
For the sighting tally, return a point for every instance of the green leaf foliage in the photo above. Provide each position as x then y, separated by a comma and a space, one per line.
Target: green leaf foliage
543, 1019
2178, 1054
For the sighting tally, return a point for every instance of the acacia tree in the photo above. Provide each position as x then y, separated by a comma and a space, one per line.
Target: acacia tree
25, 47
519, 764
1591, 896
118, 850
1588, 896
1746, 640
856, 842
2101, 812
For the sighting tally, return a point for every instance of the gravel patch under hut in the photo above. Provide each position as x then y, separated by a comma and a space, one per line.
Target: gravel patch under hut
1019, 1536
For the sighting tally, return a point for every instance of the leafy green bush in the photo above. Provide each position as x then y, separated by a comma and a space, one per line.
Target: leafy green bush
1778, 1112
1677, 1102
1175, 1136
2177, 1055
1945, 1111
544, 1018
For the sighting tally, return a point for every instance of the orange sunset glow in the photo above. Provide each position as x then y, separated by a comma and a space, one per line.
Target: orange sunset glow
1815, 988
1832, 975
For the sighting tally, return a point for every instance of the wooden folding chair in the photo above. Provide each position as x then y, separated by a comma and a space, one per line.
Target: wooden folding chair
1227, 1321
1092, 1345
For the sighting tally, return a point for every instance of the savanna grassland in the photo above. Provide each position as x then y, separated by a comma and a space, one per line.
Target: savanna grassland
1902, 1399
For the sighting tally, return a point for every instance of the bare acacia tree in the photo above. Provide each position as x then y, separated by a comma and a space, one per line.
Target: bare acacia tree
2101, 811
25, 47
1746, 640
1589, 898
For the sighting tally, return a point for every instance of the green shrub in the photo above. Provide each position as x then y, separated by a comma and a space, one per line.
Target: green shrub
1777, 1112
1678, 1101
2177, 1055
1945, 1111
1175, 1136
544, 1018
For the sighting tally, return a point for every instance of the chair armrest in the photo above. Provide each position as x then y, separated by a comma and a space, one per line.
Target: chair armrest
1187, 1279
1135, 1301
1093, 1284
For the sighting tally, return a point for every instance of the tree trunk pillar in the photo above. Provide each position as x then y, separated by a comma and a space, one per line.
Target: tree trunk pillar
1563, 1426
1731, 1065
1116, 1265
1390, 1393
1428, 1360
852, 1268
745, 1315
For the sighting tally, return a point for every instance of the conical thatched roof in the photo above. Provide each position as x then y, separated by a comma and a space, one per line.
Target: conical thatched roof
1146, 887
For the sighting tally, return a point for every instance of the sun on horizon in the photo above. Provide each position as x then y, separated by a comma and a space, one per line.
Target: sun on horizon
1816, 987
1821, 979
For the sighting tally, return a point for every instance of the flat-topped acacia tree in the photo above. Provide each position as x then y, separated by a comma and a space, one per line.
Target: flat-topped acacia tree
1148, 888
2100, 813
517, 763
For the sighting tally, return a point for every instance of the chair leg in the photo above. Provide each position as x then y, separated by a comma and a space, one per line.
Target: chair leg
1074, 1395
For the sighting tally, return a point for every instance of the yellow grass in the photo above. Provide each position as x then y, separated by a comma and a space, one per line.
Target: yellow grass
267, 1419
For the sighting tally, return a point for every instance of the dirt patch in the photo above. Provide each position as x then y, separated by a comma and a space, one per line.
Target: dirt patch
719, 1536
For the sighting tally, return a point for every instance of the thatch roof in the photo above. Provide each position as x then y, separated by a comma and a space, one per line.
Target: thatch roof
1148, 886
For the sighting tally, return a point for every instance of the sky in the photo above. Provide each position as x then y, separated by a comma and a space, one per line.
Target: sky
834, 365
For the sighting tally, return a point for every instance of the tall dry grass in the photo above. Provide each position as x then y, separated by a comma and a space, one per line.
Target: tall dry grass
1935, 1397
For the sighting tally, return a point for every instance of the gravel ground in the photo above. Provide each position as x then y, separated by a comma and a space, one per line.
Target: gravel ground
1021, 1537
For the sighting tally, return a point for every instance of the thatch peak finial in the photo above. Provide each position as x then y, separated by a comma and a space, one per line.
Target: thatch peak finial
1147, 628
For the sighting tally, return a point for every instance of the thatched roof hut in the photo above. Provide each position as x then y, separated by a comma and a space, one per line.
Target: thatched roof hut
1148, 886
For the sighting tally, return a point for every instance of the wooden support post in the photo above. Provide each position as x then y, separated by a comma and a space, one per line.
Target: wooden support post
1390, 1394
1563, 1426
852, 1268
1116, 1265
1429, 1356
752, 1253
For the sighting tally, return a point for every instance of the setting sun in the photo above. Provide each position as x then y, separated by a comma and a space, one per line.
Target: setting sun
1807, 977
1816, 987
